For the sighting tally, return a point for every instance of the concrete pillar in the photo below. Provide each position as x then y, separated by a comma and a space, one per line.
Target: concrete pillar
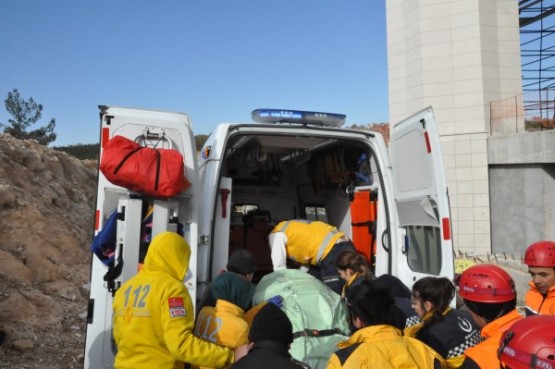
456, 56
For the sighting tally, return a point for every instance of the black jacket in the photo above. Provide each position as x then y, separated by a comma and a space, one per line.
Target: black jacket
268, 355
405, 316
452, 335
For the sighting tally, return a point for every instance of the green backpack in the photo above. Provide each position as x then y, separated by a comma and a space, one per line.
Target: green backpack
318, 316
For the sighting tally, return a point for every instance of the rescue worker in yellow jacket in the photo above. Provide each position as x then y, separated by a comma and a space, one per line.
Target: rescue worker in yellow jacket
154, 317
540, 258
224, 323
377, 344
489, 293
313, 244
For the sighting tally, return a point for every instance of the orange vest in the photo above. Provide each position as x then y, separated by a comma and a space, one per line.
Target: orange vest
536, 303
485, 353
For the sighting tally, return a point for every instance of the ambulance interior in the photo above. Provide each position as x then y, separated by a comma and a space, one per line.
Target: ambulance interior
277, 178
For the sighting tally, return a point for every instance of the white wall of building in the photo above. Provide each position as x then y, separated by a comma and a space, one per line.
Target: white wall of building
456, 56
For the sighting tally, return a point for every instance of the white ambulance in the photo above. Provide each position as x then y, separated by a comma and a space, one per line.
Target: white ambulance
391, 201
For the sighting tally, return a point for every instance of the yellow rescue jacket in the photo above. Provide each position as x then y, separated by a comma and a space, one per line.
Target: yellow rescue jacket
536, 303
223, 324
383, 347
308, 242
154, 316
349, 283
485, 353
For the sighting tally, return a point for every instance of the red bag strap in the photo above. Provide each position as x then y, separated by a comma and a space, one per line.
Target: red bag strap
158, 159
125, 159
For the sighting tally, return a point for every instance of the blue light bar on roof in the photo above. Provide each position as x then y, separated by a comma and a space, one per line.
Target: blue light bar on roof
299, 117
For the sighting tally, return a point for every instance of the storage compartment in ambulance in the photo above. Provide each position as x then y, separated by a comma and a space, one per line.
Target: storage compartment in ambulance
301, 165
271, 173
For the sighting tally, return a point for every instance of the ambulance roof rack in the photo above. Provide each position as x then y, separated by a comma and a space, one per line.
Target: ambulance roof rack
298, 117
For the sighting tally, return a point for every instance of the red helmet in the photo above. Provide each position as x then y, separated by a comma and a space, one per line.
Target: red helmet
529, 343
486, 283
540, 254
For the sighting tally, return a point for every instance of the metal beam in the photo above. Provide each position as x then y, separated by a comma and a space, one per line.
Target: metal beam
525, 21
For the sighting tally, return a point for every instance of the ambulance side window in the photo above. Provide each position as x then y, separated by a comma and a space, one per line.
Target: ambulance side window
244, 208
424, 249
316, 213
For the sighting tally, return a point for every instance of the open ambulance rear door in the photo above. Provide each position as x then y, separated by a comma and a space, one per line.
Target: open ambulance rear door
424, 245
140, 217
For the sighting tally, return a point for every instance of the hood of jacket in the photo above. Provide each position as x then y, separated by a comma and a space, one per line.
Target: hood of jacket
170, 253
234, 288
381, 332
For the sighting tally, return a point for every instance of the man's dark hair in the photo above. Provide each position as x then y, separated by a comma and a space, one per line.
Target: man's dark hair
371, 302
490, 311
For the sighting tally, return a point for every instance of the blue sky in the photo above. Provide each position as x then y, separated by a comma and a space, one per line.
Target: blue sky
215, 59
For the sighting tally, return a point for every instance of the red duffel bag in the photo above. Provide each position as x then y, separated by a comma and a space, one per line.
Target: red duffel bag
151, 171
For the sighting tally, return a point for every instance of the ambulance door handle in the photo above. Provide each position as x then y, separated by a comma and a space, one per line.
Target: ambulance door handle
385, 239
406, 245
224, 193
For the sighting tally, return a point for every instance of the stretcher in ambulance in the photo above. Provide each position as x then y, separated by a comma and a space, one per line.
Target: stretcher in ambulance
391, 201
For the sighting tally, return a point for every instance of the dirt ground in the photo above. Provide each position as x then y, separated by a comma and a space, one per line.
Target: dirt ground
46, 218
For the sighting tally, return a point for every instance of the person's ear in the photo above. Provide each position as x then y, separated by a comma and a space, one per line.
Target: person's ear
357, 322
480, 321
428, 306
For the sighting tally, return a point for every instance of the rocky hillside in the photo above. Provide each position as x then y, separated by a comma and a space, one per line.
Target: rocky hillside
46, 217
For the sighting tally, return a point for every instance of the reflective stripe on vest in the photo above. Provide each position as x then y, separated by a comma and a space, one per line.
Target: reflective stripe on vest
323, 244
286, 224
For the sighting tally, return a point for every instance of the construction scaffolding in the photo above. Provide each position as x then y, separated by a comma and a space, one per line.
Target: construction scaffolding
537, 44
531, 111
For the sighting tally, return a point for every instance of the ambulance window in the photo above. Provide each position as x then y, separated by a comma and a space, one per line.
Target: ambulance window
424, 249
316, 213
239, 210
244, 208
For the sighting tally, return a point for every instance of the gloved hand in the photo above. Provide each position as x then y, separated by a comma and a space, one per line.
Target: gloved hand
276, 300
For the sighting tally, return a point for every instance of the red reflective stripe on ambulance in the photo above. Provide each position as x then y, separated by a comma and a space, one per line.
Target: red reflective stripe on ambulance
428, 147
105, 136
446, 229
96, 219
